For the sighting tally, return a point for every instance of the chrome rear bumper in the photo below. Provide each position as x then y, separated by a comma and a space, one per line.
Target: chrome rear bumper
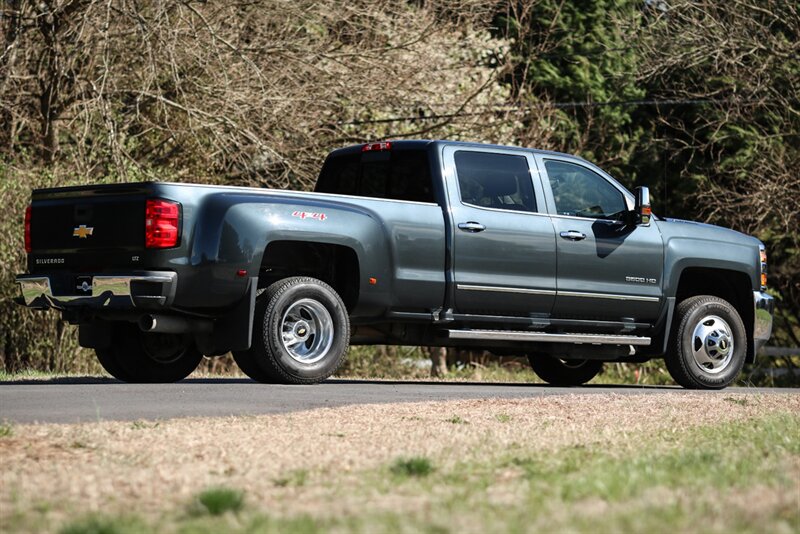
150, 289
762, 326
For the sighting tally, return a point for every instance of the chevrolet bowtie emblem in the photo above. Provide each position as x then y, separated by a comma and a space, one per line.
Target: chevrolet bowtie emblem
82, 231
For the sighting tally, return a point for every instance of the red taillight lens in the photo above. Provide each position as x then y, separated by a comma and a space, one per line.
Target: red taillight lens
28, 247
376, 147
161, 223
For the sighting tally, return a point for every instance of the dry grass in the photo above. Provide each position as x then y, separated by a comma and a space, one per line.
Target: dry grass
322, 462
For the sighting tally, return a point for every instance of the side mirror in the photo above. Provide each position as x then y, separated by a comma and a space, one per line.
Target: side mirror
642, 211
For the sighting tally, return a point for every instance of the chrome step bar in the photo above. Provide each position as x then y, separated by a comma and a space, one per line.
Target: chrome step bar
517, 335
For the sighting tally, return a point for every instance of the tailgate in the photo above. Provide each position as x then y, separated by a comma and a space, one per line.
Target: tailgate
89, 222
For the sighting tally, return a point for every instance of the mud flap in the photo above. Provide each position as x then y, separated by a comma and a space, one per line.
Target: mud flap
233, 331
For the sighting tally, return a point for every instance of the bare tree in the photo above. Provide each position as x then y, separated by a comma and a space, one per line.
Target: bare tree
249, 92
737, 63
254, 92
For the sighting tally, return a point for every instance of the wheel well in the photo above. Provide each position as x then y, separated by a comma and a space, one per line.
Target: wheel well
335, 265
733, 286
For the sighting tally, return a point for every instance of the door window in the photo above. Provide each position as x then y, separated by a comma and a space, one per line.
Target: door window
580, 192
492, 180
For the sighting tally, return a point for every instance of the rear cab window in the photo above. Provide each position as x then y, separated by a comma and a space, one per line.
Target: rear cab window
499, 181
395, 174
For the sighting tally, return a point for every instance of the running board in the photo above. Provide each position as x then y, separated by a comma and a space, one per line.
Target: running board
516, 335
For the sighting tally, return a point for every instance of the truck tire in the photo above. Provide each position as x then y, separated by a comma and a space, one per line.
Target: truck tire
108, 359
558, 372
708, 344
141, 357
301, 331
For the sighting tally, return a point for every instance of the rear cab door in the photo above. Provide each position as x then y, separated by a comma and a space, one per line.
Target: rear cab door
394, 181
607, 269
503, 240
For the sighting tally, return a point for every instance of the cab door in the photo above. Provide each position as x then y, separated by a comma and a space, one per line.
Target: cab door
607, 269
504, 249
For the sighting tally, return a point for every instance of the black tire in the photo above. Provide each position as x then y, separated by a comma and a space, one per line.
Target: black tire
703, 329
108, 359
301, 331
141, 357
559, 372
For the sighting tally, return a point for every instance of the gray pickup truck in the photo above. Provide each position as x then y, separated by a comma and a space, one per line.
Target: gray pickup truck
437, 243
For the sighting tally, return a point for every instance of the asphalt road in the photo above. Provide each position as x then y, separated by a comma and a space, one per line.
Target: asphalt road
73, 400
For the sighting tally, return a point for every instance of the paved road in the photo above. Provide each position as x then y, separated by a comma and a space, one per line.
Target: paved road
92, 399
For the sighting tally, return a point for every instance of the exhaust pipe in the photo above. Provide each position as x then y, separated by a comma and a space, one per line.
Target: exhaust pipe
170, 324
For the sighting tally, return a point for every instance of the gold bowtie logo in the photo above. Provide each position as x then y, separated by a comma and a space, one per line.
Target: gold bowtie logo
82, 231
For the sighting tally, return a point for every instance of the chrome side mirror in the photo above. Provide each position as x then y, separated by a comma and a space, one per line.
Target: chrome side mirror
642, 209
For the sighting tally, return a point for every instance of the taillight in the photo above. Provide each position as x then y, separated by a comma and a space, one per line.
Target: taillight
28, 247
376, 147
161, 223
763, 257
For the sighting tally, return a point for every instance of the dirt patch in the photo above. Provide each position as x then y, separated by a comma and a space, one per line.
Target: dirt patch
297, 462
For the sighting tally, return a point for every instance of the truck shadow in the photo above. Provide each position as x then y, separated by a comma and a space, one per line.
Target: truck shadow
99, 380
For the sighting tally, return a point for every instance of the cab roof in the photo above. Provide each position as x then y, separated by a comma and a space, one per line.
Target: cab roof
422, 144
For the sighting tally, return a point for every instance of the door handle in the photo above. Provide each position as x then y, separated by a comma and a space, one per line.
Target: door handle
573, 235
471, 226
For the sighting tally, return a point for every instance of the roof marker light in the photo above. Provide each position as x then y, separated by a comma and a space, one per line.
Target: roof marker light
377, 147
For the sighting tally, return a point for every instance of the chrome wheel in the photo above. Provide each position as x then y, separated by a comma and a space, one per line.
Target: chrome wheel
712, 344
307, 331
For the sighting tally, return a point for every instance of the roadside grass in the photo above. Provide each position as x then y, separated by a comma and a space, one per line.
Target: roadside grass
457, 420
34, 374
217, 501
296, 478
411, 364
417, 466
100, 524
6, 429
733, 476
711, 458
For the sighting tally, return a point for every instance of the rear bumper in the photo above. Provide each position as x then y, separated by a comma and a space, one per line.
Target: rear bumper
146, 289
762, 326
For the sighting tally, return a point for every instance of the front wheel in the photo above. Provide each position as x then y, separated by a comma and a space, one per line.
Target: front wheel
147, 357
708, 344
301, 331
558, 372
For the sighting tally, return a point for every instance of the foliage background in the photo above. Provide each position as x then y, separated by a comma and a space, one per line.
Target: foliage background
697, 99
